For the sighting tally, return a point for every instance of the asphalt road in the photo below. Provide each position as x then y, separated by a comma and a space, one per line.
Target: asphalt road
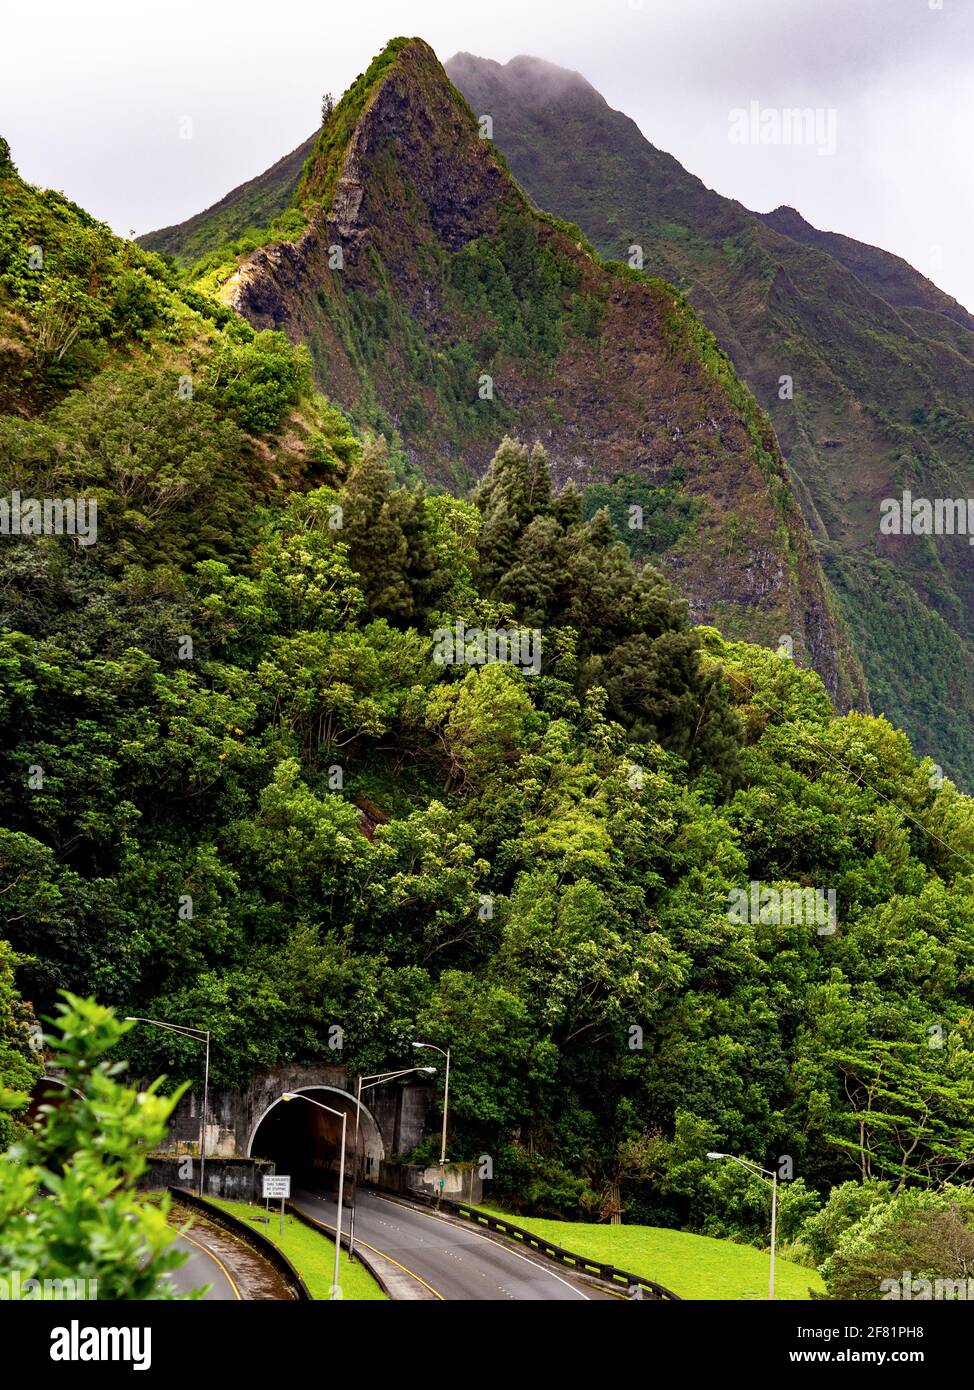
203, 1267
455, 1263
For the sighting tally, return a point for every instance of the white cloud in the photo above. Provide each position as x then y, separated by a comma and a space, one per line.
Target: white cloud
93, 96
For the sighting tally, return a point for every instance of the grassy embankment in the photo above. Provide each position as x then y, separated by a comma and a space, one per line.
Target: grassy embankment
311, 1254
695, 1267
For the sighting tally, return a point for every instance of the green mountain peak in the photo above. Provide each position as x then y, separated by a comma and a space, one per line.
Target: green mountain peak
864, 366
440, 307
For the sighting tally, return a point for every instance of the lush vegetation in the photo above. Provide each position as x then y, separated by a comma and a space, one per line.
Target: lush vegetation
649, 519
20, 1064
919, 666
237, 787
70, 1217
870, 1237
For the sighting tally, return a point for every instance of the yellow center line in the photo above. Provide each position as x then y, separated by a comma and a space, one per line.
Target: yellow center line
326, 1226
216, 1259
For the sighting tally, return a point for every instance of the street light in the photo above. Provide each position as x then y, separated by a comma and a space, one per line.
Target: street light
299, 1095
444, 1052
198, 1035
765, 1175
365, 1083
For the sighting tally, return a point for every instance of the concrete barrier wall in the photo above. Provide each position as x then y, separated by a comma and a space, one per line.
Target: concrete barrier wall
238, 1179
461, 1181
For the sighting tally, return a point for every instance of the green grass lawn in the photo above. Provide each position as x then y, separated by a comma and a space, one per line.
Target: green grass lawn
692, 1266
311, 1254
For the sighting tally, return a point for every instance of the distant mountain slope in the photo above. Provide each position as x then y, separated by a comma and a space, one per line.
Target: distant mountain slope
439, 307
253, 204
885, 274
881, 362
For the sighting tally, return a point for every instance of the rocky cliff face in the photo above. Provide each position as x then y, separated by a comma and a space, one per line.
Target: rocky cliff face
875, 360
439, 306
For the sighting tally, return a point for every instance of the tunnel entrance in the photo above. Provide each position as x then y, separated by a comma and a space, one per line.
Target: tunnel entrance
47, 1090
305, 1141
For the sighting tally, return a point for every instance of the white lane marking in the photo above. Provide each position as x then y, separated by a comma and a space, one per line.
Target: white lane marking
497, 1245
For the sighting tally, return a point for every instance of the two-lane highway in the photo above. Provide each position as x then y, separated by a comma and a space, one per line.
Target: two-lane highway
453, 1262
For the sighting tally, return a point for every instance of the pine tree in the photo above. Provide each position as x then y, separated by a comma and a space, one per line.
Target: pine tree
515, 489
390, 546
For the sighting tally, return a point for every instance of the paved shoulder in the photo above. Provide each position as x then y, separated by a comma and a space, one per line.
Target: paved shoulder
459, 1264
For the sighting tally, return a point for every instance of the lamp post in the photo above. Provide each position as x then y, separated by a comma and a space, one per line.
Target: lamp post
766, 1175
299, 1095
365, 1083
444, 1052
198, 1035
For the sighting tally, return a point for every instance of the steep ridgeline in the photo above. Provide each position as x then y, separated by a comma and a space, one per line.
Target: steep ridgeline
254, 204
441, 308
881, 362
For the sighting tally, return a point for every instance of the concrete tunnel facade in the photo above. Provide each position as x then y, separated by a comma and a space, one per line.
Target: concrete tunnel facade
246, 1121
304, 1140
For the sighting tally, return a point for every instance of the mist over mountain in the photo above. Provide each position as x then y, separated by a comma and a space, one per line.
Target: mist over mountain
880, 361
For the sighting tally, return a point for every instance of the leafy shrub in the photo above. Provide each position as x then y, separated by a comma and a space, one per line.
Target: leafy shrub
923, 1234
847, 1204
134, 307
540, 1185
260, 380
68, 1204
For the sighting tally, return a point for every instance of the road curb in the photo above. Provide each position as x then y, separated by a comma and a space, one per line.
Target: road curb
255, 1239
385, 1284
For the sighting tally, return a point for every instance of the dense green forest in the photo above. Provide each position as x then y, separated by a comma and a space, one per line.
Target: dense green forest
237, 786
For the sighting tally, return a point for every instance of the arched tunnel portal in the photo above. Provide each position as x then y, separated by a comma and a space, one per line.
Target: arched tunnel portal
305, 1141
47, 1090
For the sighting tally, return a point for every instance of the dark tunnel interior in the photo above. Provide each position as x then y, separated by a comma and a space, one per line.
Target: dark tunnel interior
305, 1141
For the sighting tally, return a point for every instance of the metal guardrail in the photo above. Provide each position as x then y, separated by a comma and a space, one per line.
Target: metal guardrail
582, 1264
256, 1239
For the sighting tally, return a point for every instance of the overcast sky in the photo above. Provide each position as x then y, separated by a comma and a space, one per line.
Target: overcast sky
95, 94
